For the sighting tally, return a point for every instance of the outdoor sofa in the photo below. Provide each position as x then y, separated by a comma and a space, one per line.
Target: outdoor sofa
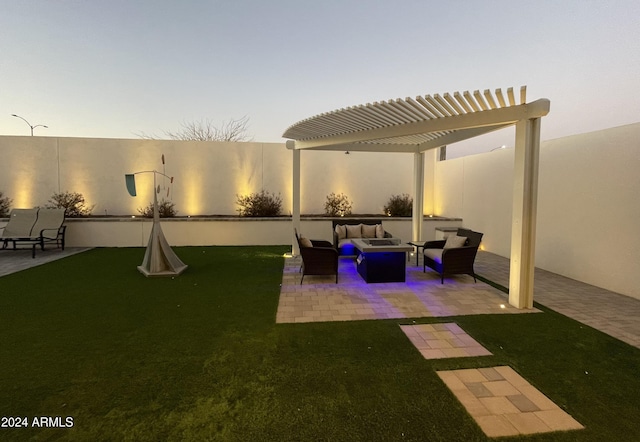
344, 230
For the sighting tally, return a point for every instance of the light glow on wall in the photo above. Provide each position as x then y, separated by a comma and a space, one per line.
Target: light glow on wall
79, 180
248, 170
23, 194
192, 189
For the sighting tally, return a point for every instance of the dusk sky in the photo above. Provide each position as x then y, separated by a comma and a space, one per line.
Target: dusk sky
117, 68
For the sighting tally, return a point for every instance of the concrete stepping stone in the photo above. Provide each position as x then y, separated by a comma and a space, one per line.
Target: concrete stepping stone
504, 404
448, 340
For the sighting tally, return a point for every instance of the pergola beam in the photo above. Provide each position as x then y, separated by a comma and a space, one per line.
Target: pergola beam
372, 147
459, 135
443, 140
491, 117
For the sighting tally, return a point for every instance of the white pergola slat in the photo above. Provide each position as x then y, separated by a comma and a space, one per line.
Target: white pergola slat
512, 100
428, 122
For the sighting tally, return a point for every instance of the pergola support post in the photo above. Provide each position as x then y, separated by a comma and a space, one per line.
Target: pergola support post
525, 196
418, 196
295, 196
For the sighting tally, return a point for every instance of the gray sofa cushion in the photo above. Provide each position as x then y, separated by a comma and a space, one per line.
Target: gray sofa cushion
455, 241
305, 242
354, 231
435, 254
368, 231
341, 231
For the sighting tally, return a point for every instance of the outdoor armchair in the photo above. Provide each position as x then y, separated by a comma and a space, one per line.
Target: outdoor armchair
49, 228
452, 256
318, 257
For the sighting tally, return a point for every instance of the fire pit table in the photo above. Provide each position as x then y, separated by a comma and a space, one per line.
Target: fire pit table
381, 260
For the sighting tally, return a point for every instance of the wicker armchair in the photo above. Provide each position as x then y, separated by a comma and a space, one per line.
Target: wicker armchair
452, 261
318, 257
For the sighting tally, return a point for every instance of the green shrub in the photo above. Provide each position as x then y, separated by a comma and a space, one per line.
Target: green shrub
5, 205
337, 205
73, 203
399, 205
166, 209
259, 204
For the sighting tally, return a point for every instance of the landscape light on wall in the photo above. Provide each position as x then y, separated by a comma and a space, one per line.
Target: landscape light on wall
159, 258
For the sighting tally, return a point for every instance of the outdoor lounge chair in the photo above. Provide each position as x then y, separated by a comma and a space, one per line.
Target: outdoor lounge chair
46, 227
453, 255
20, 225
318, 257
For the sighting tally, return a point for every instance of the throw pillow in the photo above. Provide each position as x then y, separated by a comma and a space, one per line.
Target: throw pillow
368, 231
454, 241
305, 242
354, 231
341, 230
379, 231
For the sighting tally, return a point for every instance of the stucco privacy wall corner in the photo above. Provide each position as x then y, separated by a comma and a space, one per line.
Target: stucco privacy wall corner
588, 193
424, 123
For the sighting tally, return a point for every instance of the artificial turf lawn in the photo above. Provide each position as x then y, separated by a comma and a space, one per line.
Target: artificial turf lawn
199, 357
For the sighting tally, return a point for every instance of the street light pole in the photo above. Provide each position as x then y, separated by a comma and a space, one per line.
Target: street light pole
29, 124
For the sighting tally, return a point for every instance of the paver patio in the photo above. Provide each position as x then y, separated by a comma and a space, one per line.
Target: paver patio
319, 299
12, 261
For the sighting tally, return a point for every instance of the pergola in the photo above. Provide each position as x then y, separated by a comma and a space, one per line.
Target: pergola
424, 123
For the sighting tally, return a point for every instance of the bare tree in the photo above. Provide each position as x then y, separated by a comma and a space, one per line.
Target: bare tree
206, 130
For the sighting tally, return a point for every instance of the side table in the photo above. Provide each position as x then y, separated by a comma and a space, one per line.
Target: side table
418, 245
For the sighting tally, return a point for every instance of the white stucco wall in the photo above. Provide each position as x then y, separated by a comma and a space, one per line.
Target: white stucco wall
587, 204
208, 175
589, 208
368, 179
